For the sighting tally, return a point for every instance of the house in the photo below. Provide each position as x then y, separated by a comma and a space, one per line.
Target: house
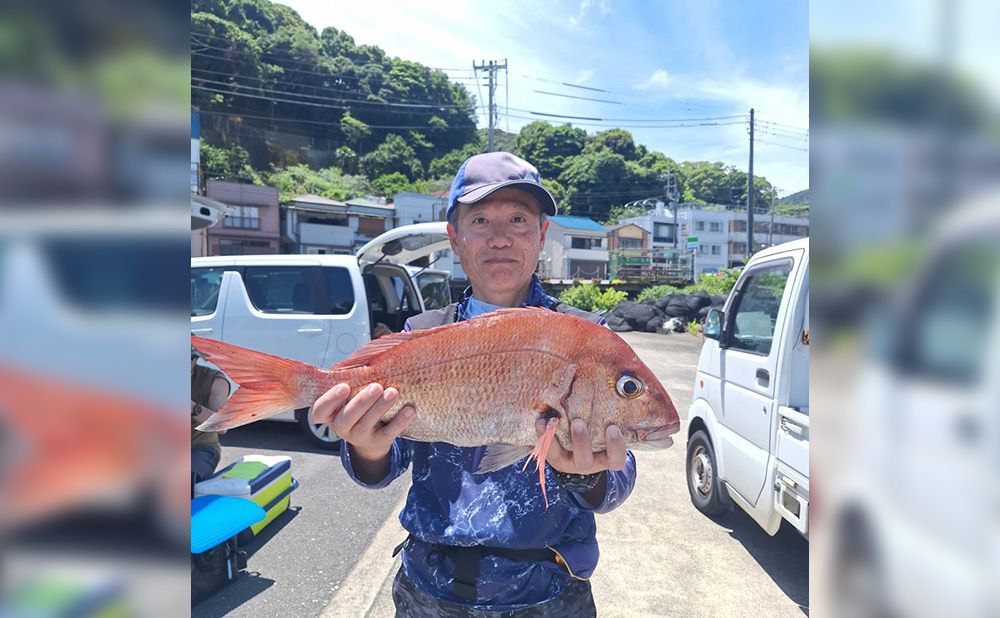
420, 207
575, 248
706, 234
314, 224
627, 236
251, 225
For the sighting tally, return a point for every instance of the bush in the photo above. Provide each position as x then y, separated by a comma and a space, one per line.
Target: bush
719, 283
655, 293
693, 327
589, 297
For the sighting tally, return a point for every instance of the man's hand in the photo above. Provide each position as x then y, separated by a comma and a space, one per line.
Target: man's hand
200, 414
582, 460
357, 421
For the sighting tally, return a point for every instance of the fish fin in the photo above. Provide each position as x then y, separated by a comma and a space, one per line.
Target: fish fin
556, 395
268, 384
500, 456
364, 355
541, 451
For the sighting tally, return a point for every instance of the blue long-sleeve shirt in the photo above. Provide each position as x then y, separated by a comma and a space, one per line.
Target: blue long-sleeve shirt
450, 505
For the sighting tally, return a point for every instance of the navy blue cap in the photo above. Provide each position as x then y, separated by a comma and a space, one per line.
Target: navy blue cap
483, 174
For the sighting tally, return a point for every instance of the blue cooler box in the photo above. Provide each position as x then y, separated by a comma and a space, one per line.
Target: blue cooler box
265, 480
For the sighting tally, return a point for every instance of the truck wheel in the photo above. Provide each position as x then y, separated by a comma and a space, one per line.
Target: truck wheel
702, 477
320, 436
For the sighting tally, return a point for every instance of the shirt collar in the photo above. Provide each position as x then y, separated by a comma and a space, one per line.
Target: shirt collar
536, 298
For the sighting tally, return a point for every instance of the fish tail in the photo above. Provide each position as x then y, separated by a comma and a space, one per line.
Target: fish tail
268, 384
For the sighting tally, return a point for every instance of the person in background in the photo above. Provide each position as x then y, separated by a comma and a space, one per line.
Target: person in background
209, 391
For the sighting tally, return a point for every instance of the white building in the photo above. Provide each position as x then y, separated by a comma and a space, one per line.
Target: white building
314, 224
784, 230
575, 248
708, 228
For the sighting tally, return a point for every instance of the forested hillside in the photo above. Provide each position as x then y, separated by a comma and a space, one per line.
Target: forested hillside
317, 112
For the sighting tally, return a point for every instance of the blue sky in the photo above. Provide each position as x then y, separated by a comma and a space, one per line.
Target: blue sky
656, 60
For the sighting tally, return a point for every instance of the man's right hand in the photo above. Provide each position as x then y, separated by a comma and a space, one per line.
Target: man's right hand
357, 421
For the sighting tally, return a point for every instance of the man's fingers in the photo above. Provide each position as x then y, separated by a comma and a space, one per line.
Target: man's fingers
344, 422
583, 456
615, 449
371, 418
397, 425
328, 403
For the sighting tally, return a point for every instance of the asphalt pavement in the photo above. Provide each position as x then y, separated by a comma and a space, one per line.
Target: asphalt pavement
330, 554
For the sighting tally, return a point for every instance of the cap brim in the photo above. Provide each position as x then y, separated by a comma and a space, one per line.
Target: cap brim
540, 193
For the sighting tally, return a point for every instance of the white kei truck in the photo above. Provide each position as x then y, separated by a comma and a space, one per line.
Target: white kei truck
748, 430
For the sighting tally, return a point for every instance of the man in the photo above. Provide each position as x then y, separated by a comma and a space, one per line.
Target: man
209, 390
477, 545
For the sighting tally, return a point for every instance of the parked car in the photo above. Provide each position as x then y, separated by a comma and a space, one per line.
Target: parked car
316, 309
748, 435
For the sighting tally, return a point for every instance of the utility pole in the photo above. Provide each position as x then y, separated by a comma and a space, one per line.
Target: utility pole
491, 69
750, 194
770, 233
670, 196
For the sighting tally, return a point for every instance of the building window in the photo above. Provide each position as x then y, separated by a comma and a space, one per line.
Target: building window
585, 243
243, 217
716, 250
739, 226
630, 243
714, 226
699, 226
739, 247
663, 232
235, 246
701, 250
370, 226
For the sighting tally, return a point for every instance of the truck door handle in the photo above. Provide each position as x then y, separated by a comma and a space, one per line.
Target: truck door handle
763, 377
199, 331
310, 331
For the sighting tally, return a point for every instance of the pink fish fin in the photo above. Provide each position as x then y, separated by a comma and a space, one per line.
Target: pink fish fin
364, 355
268, 384
541, 451
499, 456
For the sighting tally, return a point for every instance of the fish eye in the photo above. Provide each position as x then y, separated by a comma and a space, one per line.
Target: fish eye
629, 387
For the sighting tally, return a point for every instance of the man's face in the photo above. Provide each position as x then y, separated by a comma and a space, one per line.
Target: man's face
498, 241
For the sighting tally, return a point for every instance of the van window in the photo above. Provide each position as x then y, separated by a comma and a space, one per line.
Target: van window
339, 289
281, 289
756, 308
205, 284
435, 290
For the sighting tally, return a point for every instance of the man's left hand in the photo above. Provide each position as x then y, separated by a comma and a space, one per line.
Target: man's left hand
582, 460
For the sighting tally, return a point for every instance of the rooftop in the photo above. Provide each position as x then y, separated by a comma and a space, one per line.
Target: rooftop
578, 223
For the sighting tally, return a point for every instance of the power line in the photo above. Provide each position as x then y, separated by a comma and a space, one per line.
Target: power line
324, 98
570, 96
320, 122
640, 126
788, 126
318, 88
760, 141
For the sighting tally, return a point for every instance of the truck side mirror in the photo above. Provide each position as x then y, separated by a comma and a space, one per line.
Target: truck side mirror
713, 324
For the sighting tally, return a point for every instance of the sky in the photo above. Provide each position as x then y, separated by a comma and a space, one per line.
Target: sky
653, 62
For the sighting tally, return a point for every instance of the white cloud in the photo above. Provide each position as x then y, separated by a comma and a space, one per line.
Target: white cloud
604, 6
583, 76
657, 81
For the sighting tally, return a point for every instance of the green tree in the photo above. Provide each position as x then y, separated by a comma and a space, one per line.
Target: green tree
329, 182
618, 141
547, 147
355, 131
231, 163
597, 181
447, 165
392, 155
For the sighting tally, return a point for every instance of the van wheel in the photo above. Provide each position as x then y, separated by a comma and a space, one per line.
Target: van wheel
320, 436
702, 476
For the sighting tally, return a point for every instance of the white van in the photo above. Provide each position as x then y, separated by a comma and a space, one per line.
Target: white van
316, 309
748, 430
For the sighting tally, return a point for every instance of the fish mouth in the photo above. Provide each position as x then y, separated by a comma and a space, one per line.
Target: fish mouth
659, 436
